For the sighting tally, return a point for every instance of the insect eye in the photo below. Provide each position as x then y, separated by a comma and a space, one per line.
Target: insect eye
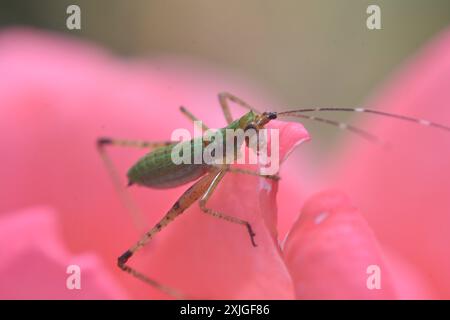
270, 115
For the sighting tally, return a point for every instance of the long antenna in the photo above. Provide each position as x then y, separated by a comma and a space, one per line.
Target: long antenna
341, 125
421, 122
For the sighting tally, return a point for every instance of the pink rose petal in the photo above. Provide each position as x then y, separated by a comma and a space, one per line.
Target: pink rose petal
33, 261
404, 193
205, 257
329, 250
59, 95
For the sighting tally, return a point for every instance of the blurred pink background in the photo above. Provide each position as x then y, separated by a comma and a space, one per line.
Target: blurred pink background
342, 204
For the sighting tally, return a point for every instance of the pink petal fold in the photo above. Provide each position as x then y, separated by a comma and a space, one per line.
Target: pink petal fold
205, 257
59, 95
33, 261
329, 250
404, 193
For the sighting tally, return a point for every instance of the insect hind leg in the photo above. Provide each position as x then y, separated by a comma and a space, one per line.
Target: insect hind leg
185, 201
175, 211
114, 175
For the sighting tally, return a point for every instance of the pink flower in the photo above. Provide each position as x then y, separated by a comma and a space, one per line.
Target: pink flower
59, 95
404, 193
35, 265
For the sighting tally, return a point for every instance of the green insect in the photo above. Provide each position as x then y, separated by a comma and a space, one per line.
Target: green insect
157, 170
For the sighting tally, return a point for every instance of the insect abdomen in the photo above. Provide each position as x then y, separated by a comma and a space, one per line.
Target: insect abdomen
157, 170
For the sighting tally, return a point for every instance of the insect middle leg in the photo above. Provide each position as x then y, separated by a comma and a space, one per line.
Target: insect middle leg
253, 173
113, 172
204, 199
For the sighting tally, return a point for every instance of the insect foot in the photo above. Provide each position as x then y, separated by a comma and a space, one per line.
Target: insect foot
123, 259
252, 234
102, 141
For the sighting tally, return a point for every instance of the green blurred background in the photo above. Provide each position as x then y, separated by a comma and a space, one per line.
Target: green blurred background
307, 53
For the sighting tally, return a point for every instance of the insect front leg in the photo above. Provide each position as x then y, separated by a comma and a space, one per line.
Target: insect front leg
113, 172
193, 118
223, 100
204, 199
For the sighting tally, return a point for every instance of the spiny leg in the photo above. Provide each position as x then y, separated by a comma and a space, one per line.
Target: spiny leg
113, 172
185, 201
223, 100
103, 141
253, 173
193, 118
204, 199
123, 259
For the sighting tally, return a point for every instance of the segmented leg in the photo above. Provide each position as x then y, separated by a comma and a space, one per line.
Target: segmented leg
253, 173
204, 199
191, 117
185, 201
223, 100
113, 173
